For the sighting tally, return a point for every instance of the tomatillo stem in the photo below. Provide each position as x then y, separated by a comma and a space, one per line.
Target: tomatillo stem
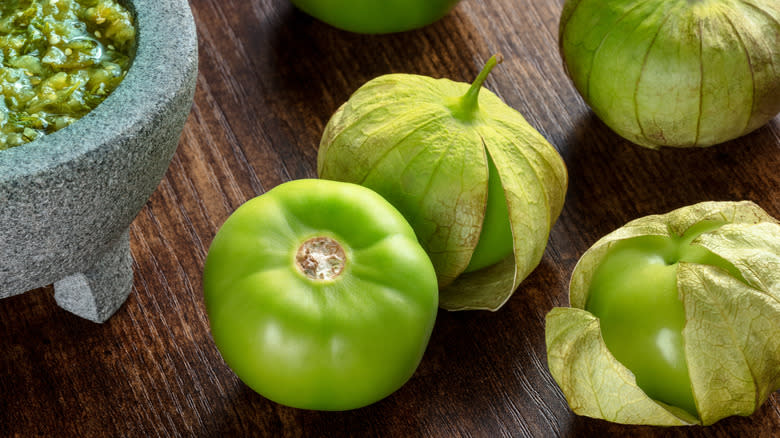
465, 108
320, 258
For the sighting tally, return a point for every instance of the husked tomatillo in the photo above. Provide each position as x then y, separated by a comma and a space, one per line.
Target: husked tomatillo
673, 318
677, 73
479, 185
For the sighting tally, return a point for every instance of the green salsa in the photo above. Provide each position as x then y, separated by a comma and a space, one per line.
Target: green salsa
58, 60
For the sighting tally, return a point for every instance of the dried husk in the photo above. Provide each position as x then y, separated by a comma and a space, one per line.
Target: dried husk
403, 136
731, 336
677, 73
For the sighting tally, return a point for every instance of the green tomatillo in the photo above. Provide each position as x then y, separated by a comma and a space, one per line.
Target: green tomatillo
673, 318
319, 296
376, 16
478, 184
677, 73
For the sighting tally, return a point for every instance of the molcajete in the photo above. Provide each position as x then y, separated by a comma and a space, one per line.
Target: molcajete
68, 198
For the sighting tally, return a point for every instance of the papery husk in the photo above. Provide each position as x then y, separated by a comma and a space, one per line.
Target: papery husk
731, 336
675, 73
397, 135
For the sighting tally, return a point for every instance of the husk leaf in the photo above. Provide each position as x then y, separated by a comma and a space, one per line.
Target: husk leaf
731, 336
594, 382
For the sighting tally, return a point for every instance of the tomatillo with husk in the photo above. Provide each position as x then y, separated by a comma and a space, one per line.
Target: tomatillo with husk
678, 73
478, 184
319, 295
673, 318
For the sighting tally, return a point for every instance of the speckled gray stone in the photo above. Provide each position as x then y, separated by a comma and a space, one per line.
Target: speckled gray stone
67, 199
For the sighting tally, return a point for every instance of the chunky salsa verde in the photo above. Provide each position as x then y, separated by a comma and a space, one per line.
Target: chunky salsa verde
58, 60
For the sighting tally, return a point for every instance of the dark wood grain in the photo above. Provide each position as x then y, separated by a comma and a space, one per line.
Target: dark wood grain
270, 77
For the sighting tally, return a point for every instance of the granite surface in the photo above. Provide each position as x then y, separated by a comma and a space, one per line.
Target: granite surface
67, 199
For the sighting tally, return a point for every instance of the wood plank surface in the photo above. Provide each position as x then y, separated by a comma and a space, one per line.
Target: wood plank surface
270, 77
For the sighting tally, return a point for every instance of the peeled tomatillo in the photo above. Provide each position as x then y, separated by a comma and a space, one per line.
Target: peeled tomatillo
376, 16
478, 184
319, 296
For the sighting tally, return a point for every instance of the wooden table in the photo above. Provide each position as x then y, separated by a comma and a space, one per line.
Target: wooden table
270, 77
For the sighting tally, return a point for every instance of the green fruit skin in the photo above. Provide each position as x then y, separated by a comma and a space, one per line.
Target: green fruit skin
495, 238
675, 73
376, 16
331, 344
634, 295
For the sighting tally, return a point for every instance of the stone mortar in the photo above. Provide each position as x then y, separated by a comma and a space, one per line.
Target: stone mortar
67, 199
